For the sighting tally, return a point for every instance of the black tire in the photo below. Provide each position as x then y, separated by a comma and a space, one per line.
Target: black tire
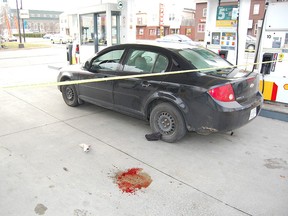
168, 120
70, 95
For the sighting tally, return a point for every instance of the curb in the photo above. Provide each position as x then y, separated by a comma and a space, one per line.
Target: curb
282, 116
54, 67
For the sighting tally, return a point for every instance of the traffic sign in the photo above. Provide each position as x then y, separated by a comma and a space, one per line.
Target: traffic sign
24, 14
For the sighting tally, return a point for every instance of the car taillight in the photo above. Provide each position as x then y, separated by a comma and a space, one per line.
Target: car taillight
223, 93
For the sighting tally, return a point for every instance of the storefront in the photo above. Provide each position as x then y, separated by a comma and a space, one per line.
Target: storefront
99, 26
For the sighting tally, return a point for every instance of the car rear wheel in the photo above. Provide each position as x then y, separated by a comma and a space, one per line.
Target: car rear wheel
70, 95
167, 119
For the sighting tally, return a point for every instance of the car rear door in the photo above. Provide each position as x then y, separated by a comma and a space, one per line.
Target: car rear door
131, 95
103, 66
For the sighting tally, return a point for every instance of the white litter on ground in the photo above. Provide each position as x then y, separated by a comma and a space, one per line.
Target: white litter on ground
85, 147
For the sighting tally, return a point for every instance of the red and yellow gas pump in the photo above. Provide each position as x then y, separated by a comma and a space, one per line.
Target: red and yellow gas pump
273, 53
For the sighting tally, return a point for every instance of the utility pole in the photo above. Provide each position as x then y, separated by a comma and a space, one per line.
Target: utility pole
20, 45
23, 24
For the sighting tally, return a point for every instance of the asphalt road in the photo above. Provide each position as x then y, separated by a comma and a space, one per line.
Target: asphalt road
43, 170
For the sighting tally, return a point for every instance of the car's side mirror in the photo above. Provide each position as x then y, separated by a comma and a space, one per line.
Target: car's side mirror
86, 65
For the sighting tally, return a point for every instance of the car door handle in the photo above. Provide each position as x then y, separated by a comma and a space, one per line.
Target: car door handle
145, 84
101, 76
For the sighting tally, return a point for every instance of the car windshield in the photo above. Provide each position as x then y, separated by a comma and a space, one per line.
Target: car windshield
206, 60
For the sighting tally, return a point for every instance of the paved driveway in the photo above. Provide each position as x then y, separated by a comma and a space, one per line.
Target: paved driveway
43, 170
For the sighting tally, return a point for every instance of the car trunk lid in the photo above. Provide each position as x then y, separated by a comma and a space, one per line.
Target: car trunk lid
245, 88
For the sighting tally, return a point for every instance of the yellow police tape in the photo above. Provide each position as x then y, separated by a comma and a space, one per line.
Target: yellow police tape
48, 84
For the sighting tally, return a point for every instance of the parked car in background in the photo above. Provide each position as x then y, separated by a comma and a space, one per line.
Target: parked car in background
47, 36
215, 97
2, 40
250, 43
8, 38
177, 38
61, 39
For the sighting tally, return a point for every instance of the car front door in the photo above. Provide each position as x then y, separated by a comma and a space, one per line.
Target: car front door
103, 66
130, 95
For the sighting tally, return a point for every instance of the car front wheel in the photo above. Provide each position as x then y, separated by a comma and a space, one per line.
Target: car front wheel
167, 119
70, 95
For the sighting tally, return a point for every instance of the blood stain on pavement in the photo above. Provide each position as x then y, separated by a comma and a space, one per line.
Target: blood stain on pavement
132, 180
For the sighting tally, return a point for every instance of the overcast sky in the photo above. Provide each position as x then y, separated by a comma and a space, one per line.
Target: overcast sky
62, 5
55, 5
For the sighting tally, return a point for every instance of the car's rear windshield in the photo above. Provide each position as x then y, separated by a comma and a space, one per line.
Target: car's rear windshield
206, 59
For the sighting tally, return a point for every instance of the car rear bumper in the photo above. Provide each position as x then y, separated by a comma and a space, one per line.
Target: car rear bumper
223, 119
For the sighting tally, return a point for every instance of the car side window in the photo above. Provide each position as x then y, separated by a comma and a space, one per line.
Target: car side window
108, 61
143, 61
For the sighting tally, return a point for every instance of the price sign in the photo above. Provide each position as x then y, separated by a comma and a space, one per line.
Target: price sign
226, 16
225, 12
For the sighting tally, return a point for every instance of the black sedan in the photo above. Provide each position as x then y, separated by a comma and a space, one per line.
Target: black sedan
208, 95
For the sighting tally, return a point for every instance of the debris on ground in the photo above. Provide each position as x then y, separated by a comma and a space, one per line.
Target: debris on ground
154, 136
85, 147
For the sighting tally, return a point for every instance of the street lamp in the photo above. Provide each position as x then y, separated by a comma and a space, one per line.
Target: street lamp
20, 45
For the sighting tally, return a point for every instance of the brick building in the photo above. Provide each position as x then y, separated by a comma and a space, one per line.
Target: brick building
175, 21
257, 9
39, 21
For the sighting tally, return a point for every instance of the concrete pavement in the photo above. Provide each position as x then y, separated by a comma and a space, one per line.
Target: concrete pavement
43, 171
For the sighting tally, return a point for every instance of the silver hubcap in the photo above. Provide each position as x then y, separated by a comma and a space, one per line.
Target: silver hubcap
166, 123
69, 93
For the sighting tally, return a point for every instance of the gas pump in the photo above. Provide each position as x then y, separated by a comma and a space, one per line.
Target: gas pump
224, 23
273, 53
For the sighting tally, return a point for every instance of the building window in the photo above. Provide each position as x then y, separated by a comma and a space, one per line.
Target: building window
154, 17
87, 29
255, 28
174, 31
201, 27
141, 31
139, 21
256, 9
158, 31
152, 32
171, 17
188, 31
204, 12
